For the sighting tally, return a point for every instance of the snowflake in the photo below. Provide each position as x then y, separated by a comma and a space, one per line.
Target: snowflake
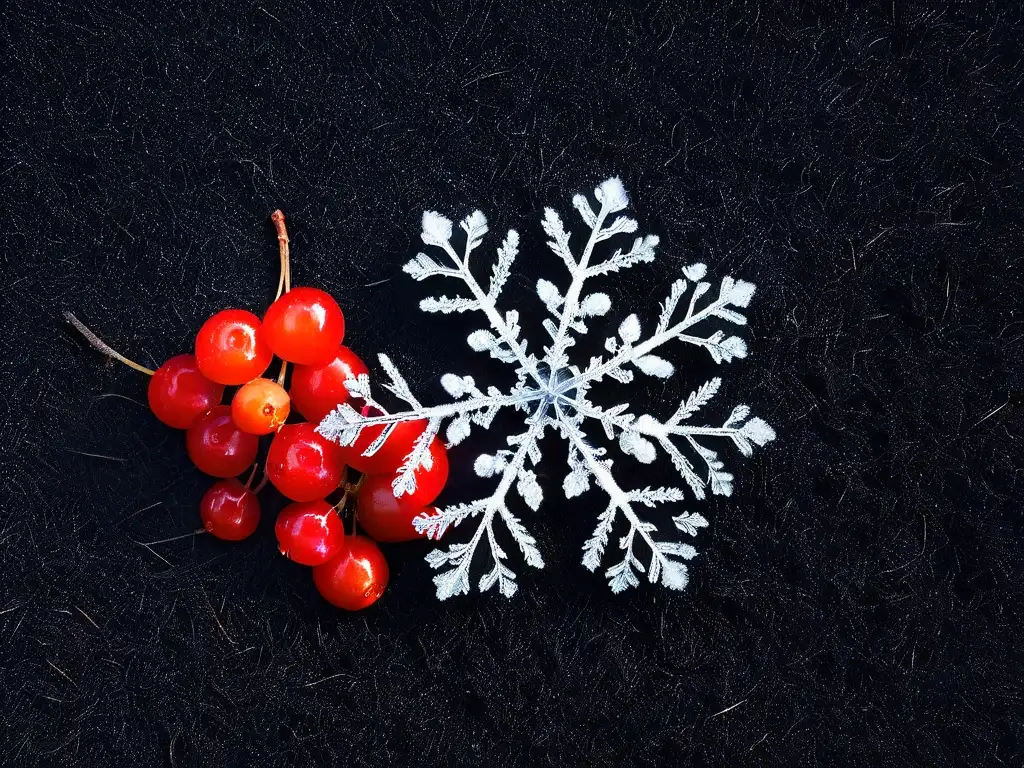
553, 393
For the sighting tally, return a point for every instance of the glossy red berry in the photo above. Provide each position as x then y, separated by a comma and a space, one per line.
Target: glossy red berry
383, 517
310, 532
354, 578
217, 446
231, 349
260, 407
304, 326
229, 510
303, 465
178, 392
318, 390
390, 456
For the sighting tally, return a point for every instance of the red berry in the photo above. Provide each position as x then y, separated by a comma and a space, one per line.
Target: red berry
310, 533
229, 510
260, 407
217, 446
384, 517
354, 578
318, 390
304, 326
230, 347
178, 392
390, 456
304, 465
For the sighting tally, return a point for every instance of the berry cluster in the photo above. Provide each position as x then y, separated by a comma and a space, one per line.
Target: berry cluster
303, 327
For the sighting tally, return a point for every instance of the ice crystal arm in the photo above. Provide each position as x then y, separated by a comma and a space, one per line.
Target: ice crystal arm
570, 309
457, 558
504, 343
344, 424
634, 433
664, 562
626, 349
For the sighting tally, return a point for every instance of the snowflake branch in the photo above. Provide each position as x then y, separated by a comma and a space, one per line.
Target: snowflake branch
745, 432
437, 231
732, 292
672, 573
612, 196
344, 423
456, 580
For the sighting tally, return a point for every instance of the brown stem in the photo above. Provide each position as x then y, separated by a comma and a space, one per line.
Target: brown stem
283, 373
340, 506
252, 474
263, 482
284, 282
358, 485
98, 343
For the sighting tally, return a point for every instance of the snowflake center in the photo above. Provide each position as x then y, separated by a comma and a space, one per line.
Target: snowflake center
557, 386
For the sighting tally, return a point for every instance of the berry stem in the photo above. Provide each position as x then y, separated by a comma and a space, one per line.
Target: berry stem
340, 506
358, 485
283, 373
284, 282
98, 344
252, 474
350, 490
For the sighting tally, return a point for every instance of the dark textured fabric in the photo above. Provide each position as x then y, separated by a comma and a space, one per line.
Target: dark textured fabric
856, 602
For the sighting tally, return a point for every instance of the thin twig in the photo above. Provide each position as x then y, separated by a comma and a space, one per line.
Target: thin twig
98, 344
284, 282
88, 617
61, 671
96, 455
263, 482
252, 474
325, 679
216, 618
196, 532
153, 552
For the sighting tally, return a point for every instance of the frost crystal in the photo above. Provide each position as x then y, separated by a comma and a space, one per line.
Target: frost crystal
553, 393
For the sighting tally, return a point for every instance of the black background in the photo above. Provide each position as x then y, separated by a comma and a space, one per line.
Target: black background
856, 601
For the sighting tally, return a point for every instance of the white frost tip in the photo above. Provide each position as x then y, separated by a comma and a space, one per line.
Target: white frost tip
436, 228
612, 195
487, 465
595, 305
480, 340
456, 386
695, 272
